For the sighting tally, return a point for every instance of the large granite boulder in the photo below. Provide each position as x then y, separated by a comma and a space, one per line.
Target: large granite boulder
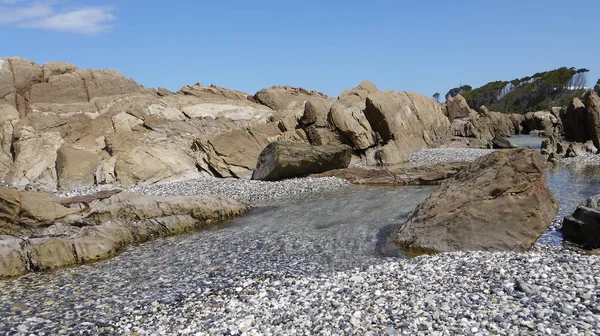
41, 232
457, 107
280, 160
581, 119
404, 122
287, 98
76, 168
499, 203
349, 120
583, 227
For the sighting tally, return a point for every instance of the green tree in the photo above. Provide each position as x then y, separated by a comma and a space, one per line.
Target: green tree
436, 96
457, 91
597, 86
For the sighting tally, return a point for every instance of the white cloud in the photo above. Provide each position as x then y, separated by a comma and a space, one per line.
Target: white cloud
47, 15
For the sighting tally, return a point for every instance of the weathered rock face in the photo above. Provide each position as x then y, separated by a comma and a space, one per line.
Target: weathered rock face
583, 227
280, 160
581, 120
76, 167
542, 121
349, 120
499, 203
128, 134
287, 98
487, 127
404, 122
46, 232
457, 107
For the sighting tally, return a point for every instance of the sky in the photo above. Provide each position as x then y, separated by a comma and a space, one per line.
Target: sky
328, 46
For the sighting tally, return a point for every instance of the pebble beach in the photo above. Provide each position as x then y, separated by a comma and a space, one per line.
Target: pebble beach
264, 280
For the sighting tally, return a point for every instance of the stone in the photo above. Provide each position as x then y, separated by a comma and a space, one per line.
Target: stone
583, 226
362, 91
576, 149
405, 122
348, 118
234, 153
75, 167
542, 121
35, 158
498, 203
281, 98
109, 221
499, 142
280, 160
576, 121
592, 108
457, 107
417, 175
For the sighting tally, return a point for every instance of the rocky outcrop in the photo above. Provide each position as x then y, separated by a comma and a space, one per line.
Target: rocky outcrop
404, 122
542, 121
280, 160
485, 127
583, 227
349, 120
287, 98
581, 119
498, 203
409, 175
457, 107
42, 232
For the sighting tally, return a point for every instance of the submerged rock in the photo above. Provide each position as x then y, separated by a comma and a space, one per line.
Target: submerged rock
417, 175
498, 203
280, 160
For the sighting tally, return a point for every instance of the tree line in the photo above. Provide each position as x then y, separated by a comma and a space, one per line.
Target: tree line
539, 91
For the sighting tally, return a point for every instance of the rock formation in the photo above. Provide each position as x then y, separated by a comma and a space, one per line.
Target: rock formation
280, 160
581, 120
65, 127
39, 231
498, 203
583, 227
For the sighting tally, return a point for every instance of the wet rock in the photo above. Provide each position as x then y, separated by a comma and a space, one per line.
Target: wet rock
583, 227
500, 202
499, 142
418, 175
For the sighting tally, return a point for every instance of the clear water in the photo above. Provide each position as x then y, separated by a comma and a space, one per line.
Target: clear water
532, 141
319, 233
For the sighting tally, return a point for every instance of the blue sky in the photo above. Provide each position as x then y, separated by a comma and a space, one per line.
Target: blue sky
422, 46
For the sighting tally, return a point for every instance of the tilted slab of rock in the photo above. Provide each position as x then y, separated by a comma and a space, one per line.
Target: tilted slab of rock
457, 107
53, 235
583, 227
412, 175
280, 160
498, 203
405, 122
